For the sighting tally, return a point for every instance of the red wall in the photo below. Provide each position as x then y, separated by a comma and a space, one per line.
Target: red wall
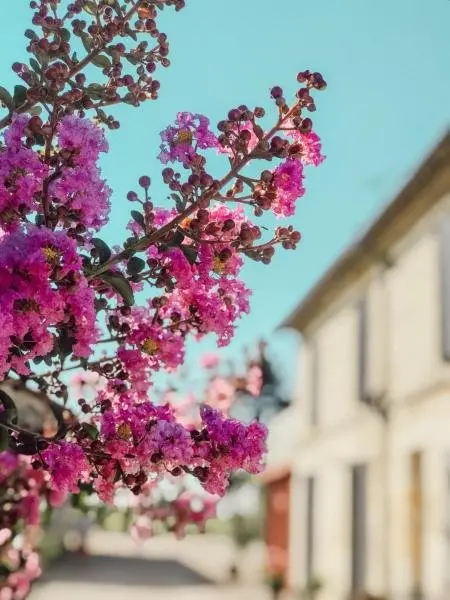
277, 524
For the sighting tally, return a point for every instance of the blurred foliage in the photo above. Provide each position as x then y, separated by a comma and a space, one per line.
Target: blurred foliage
245, 530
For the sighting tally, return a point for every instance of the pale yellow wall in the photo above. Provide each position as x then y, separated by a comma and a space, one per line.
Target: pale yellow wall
337, 348
405, 363
413, 298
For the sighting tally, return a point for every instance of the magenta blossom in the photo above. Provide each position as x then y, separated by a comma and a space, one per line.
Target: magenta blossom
181, 141
288, 180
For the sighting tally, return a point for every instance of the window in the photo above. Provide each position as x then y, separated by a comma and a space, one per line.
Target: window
445, 287
358, 570
416, 522
310, 500
361, 308
314, 390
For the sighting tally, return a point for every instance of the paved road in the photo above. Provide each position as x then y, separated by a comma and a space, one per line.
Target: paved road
117, 572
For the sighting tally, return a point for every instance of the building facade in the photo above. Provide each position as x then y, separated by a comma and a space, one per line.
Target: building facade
369, 481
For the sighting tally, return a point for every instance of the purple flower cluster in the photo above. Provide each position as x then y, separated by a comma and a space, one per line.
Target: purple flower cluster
181, 141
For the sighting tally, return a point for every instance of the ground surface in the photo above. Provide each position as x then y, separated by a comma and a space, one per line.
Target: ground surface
117, 569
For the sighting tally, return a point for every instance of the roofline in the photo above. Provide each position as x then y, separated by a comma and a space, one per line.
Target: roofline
373, 245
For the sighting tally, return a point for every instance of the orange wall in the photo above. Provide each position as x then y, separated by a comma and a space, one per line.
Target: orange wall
277, 524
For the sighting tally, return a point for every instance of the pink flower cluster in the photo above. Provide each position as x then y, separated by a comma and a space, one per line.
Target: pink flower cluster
67, 465
181, 141
25, 486
288, 180
24, 568
206, 297
79, 187
138, 442
232, 445
189, 508
42, 288
311, 147
22, 490
22, 173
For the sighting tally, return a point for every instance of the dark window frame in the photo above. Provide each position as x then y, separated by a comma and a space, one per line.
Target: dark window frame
359, 527
362, 343
444, 265
310, 529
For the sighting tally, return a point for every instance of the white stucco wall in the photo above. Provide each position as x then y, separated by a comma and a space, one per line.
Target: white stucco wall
405, 362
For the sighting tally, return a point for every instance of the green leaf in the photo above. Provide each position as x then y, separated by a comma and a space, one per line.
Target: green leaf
90, 7
135, 265
30, 34
102, 61
35, 110
190, 253
35, 66
87, 488
9, 413
132, 59
138, 217
103, 250
87, 41
177, 240
6, 98
102, 115
65, 34
4, 439
65, 344
47, 515
25, 443
121, 285
20, 95
129, 99
91, 430
95, 91
118, 474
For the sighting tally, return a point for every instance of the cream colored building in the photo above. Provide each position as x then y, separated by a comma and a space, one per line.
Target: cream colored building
370, 477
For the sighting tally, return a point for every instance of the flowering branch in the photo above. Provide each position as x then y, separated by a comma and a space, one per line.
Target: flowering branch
64, 291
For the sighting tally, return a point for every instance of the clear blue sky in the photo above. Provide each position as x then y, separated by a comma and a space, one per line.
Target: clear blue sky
388, 102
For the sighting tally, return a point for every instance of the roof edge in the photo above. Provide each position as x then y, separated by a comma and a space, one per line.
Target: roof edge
367, 249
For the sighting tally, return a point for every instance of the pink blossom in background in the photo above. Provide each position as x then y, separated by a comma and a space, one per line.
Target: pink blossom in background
86, 379
5, 535
209, 360
220, 394
254, 380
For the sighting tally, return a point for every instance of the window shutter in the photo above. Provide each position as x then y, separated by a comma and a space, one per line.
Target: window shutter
310, 501
445, 286
362, 349
376, 338
416, 516
315, 382
358, 528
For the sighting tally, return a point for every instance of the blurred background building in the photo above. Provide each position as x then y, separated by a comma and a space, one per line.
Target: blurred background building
358, 484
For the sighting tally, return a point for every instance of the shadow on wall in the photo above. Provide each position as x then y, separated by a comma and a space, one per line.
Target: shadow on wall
124, 571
